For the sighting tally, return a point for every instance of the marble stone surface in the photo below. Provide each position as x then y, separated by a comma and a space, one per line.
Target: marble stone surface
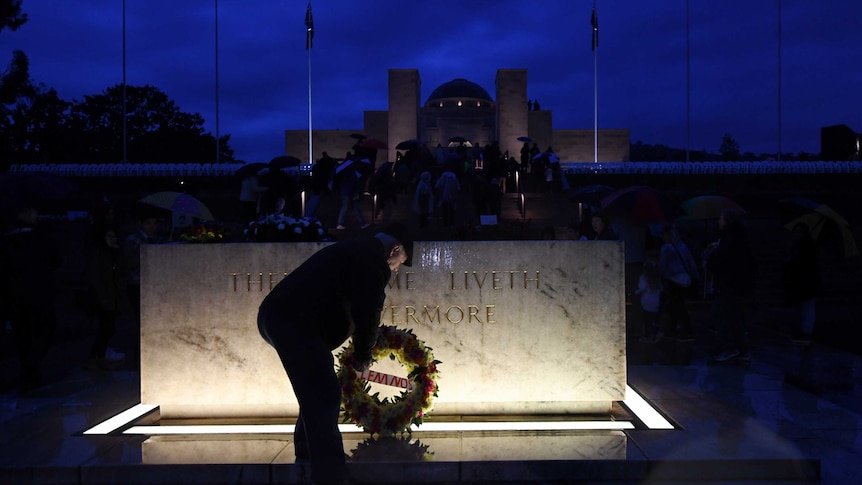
521, 327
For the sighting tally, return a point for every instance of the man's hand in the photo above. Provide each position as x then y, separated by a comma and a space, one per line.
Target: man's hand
361, 367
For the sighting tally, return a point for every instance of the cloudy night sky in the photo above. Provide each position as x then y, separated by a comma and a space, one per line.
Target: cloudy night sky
76, 47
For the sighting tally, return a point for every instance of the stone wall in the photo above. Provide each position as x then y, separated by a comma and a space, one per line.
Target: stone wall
521, 327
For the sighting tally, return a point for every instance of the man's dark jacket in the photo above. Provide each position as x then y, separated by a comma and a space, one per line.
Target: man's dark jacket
337, 292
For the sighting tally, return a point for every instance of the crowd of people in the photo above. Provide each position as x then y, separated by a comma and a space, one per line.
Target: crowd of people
110, 282
430, 183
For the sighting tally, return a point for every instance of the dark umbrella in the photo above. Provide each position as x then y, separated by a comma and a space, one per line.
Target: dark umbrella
250, 169
817, 216
706, 207
283, 161
18, 190
358, 136
408, 144
591, 194
642, 204
525, 139
457, 139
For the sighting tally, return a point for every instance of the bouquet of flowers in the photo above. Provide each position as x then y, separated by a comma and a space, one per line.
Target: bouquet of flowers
281, 228
209, 232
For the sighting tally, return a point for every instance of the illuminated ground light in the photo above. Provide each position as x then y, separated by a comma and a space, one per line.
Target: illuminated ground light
634, 402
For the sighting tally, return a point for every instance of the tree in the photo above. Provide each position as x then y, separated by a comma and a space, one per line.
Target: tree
11, 16
17, 75
156, 129
729, 148
36, 127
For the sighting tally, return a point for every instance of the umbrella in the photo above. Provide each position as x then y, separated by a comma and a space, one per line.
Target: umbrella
525, 139
179, 203
641, 203
590, 194
457, 139
373, 143
283, 161
408, 144
250, 169
709, 207
358, 136
818, 216
19, 190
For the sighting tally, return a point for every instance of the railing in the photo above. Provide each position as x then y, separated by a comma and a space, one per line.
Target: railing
574, 168
712, 168
143, 169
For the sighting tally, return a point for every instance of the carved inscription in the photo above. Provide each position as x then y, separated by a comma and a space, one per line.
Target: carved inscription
436, 313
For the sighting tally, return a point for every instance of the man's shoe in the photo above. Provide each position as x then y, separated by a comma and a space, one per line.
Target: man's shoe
366, 226
340, 227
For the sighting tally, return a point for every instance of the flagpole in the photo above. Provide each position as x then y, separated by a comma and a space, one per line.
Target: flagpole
687, 82
594, 20
309, 36
310, 149
779, 80
125, 145
218, 154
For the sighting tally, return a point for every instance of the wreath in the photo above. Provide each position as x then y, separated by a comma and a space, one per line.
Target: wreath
389, 416
391, 449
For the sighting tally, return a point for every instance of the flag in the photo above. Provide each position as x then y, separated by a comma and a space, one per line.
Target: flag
309, 27
594, 20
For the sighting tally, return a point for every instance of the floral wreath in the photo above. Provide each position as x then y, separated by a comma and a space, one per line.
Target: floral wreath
391, 449
389, 416
279, 227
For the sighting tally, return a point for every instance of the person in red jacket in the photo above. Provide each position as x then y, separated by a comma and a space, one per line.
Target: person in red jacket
335, 294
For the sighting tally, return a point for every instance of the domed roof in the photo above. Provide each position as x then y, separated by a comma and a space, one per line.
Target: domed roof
459, 88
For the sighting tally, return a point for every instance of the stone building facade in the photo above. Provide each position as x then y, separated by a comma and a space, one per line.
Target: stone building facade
461, 108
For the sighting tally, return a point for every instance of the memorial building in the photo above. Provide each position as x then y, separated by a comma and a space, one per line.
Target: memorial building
463, 109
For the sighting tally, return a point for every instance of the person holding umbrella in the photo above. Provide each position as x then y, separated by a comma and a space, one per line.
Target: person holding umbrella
732, 264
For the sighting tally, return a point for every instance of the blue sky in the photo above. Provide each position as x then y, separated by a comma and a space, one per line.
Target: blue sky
76, 47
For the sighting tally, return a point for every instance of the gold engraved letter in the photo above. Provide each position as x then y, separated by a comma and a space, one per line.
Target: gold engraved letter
249, 281
473, 312
410, 312
495, 280
478, 281
527, 279
396, 281
433, 313
449, 314
489, 313
393, 315
511, 279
